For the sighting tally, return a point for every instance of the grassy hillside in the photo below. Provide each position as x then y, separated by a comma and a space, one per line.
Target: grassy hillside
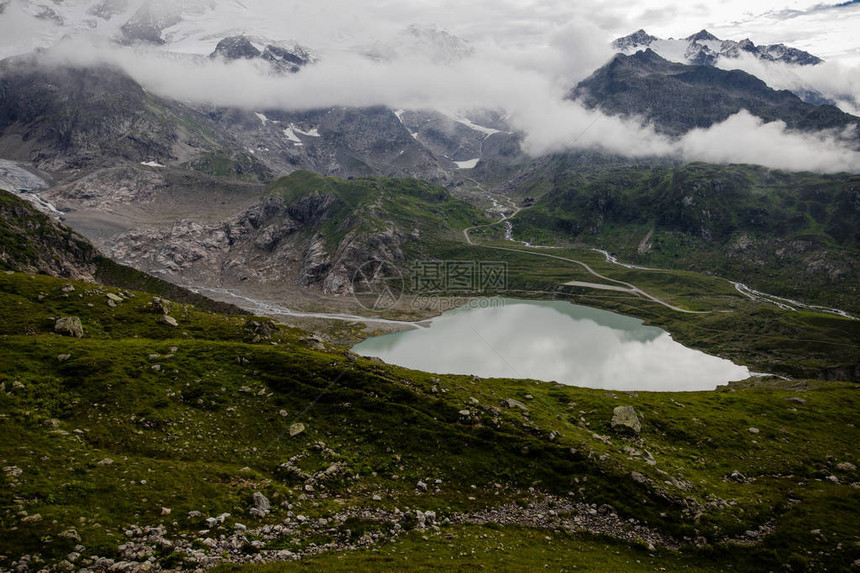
371, 204
139, 425
794, 235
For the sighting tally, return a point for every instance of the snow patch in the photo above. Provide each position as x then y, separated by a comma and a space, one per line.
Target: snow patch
470, 164
312, 133
488, 131
399, 115
290, 134
151, 163
262, 118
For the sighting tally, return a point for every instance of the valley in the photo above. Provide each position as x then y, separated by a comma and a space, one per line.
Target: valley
289, 288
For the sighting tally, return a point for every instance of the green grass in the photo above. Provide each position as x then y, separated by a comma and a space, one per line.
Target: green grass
375, 204
477, 548
207, 429
792, 234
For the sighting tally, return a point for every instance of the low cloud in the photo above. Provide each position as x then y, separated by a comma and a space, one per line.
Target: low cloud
530, 85
835, 81
744, 138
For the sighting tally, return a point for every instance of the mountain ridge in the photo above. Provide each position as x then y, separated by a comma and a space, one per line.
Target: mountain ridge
703, 48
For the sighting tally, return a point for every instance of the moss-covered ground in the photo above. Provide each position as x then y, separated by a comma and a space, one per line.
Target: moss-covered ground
104, 432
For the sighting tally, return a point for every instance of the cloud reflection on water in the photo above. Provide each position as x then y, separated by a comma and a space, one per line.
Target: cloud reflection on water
571, 344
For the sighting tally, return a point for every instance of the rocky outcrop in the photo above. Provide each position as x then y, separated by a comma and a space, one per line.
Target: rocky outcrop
625, 421
281, 59
30, 241
69, 326
271, 241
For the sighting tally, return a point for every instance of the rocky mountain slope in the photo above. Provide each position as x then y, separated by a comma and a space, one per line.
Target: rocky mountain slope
33, 242
309, 230
681, 97
705, 49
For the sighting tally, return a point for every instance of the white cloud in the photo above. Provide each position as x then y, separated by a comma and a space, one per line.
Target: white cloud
526, 56
744, 138
530, 86
557, 342
836, 81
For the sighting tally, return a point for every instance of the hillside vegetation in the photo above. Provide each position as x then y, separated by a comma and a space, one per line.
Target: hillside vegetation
794, 235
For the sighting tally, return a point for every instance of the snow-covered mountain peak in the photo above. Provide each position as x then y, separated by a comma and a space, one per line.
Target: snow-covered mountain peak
703, 48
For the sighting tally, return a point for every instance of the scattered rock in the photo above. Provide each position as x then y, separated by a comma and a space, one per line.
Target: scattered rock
71, 534
68, 288
69, 326
846, 467
421, 486
754, 430
165, 510
115, 298
795, 400
296, 429
625, 420
168, 320
63, 357
511, 403
159, 306
35, 518
105, 462
261, 507
638, 477
260, 330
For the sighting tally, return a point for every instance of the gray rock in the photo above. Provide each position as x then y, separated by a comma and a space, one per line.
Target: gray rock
296, 429
846, 467
69, 326
168, 320
638, 477
159, 306
625, 420
511, 403
261, 507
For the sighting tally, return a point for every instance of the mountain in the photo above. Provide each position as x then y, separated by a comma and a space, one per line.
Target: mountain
33, 242
680, 97
792, 235
283, 60
308, 230
703, 48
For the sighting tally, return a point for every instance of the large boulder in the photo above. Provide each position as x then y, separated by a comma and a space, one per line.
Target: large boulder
69, 326
261, 506
625, 420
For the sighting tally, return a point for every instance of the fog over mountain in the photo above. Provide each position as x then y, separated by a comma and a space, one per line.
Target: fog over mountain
377, 56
